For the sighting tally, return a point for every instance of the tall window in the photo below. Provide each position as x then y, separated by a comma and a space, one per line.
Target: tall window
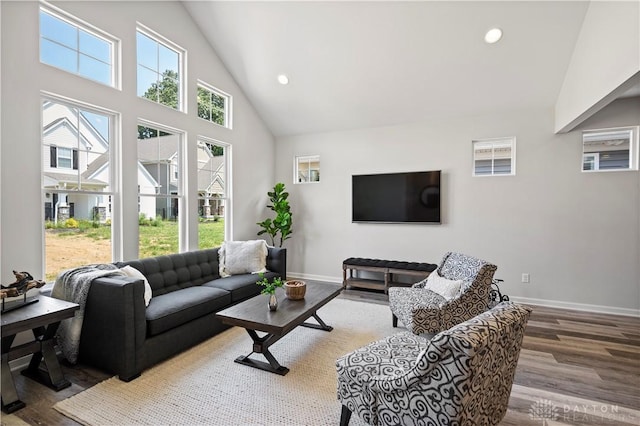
214, 105
77, 189
610, 149
159, 191
493, 157
78, 48
159, 69
213, 192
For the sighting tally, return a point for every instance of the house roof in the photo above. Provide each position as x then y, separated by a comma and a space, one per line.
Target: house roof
58, 180
162, 148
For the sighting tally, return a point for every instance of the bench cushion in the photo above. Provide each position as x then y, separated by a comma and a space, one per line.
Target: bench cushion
392, 264
170, 310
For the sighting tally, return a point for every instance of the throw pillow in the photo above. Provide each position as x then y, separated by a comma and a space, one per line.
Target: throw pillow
444, 287
242, 257
130, 271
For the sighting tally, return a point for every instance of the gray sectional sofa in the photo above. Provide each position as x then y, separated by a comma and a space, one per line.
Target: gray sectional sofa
123, 336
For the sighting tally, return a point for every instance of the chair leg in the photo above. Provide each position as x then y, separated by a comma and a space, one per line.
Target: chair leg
395, 320
345, 416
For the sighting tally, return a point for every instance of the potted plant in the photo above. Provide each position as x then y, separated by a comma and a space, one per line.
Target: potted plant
270, 289
281, 224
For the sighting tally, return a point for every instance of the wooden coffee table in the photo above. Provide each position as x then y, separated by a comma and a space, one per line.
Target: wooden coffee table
43, 319
254, 315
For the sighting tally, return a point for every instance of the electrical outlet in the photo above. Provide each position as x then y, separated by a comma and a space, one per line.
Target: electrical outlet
525, 278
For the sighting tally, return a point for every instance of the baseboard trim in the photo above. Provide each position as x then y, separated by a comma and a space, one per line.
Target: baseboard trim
20, 364
613, 310
311, 277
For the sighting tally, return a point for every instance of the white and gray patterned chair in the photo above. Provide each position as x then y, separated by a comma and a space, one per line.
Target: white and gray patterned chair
423, 311
463, 376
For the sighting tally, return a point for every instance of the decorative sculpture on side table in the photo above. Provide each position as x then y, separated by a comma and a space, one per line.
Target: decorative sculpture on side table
24, 282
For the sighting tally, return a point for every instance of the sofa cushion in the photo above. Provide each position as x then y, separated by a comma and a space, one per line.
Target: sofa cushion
241, 287
243, 257
179, 270
170, 310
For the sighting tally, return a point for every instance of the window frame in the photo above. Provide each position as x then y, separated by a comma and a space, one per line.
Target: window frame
633, 148
228, 181
493, 143
228, 103
81, 25
112, 198
305, 159
182, 60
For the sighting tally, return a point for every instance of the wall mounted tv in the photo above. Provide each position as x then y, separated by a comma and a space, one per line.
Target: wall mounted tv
412, 197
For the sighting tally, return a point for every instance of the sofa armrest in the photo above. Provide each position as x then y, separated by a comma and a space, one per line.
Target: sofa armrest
277, 261
114, 326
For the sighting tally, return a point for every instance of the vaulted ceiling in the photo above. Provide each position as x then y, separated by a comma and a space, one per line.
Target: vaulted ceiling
367, 64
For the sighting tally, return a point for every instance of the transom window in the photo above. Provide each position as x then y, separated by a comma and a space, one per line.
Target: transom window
159, 69
68, 44
214, 105
493, 157
610, 149
307, 169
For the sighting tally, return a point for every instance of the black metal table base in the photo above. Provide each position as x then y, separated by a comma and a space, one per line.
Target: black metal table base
261, 346
50, 374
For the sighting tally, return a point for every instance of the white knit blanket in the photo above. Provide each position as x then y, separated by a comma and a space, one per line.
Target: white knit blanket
73, 285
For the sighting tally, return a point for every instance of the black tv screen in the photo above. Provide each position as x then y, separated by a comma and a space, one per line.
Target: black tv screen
396, 197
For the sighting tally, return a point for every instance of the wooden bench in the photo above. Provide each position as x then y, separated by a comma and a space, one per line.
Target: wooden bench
387, 268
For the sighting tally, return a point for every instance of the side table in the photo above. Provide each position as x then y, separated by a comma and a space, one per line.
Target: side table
43, 319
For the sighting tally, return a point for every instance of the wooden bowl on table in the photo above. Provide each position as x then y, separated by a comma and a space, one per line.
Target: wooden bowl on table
295, 289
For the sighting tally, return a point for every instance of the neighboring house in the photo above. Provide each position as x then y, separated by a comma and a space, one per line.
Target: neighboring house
76, 167
211, 182
159, 156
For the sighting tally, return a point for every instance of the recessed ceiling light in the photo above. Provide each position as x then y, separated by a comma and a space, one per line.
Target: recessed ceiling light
283, 79
493, 35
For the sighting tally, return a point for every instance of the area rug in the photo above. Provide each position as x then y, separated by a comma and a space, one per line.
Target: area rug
204, 386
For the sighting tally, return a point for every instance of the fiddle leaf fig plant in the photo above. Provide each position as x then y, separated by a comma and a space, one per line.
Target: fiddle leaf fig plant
281, 224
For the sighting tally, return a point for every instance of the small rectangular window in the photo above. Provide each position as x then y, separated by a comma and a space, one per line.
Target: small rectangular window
214, 105
160, 65
494, 157
75, 47
307, 169
610, 149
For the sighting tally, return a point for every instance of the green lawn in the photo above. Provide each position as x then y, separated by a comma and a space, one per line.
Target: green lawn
163, 239
160, 238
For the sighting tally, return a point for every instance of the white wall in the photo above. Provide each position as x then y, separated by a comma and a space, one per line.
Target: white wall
605, 61
576, 234
22, 82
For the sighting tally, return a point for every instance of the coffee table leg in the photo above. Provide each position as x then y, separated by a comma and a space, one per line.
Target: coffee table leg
261, 346
10, 400
320, 326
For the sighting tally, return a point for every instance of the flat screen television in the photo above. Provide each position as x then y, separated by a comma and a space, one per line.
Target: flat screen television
412, 197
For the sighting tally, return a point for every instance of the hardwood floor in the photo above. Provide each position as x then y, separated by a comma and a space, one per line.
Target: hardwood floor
575, 368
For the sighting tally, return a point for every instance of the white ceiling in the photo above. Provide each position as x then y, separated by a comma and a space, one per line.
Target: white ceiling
368, 64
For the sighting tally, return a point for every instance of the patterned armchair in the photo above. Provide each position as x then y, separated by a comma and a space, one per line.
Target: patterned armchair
463, 376
424, 311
